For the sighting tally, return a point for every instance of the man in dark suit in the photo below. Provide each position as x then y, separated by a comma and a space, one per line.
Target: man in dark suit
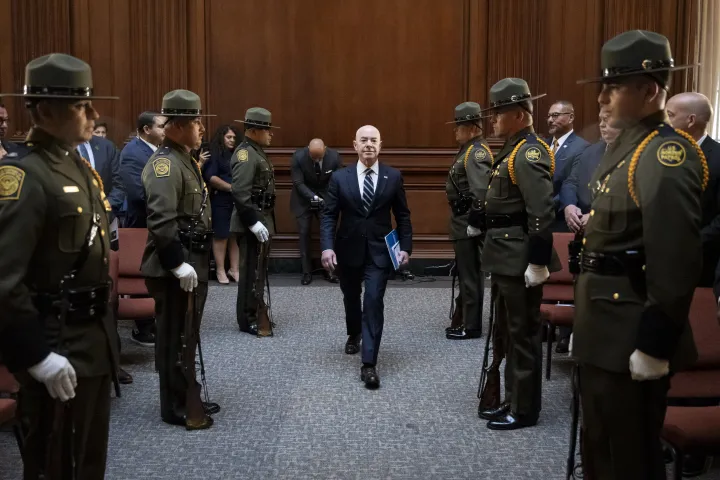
691, 112
364, 196
104, 157
133, 158
8, 149
565, 145
311, 168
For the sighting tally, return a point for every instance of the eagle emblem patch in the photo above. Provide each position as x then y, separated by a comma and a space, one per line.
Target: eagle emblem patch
161, 166
11, 182
242, 155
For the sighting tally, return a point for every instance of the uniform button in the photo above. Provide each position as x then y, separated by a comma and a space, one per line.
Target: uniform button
584, 240
102, 232
616, 296
79, 209
105, 260
95, 182
196, 189
506, 235
607, 190
489, 187
592, 213
643, 268
91, 311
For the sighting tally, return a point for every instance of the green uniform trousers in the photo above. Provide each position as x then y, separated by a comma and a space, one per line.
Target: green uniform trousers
81, 434
246, 306
472, 280
621, 420
518, 319
170, 308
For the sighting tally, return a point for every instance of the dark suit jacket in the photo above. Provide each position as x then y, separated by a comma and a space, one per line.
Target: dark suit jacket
132, 161
306, 183
107, 164
360, 233
14, 150
564, 157
711, 214
575, 190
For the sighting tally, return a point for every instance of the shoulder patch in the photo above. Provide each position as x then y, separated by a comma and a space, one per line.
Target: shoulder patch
533, 154
671, 153
161, 166
242, 155
480, 154
11, 182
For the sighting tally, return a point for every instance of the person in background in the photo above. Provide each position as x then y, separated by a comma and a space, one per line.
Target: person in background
218, 175
8, 149
101, 130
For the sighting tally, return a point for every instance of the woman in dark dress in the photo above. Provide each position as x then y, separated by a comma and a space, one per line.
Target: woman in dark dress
218, 175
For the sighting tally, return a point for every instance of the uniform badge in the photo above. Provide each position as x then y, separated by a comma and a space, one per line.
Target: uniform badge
11, 182
671, 154
480, 154
532, 154
242, 155
161, 167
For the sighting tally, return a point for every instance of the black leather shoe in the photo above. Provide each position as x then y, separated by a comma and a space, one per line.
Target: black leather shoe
174, 420
210, 408
352, 346
511, 422
306, 279
493, 413
251, 329
206, 422
563, 345
462, 334
332, 278
124, 377
370, 376
143, 337
453, 329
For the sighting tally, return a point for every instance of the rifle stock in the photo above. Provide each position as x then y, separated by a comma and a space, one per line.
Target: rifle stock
490, 378
194, 412
264, 324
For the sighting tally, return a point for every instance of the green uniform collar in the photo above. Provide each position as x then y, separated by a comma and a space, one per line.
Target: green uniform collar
57, 148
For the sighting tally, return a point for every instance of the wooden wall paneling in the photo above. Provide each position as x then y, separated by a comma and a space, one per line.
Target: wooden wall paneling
7, 67
477, 55
197, 54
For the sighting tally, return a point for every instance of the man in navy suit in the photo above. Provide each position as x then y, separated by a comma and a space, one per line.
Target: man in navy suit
566, 145
363, 196
8, 149
105, 159
134, 156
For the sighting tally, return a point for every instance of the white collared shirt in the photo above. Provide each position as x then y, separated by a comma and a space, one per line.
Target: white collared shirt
89, 152
702, 139
361, 175
152, 147
562, 139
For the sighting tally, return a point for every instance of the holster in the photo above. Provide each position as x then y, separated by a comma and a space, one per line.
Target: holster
630, 264
262, 199
197, 242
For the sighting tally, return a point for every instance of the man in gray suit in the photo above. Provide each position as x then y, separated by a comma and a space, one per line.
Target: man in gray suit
311, 168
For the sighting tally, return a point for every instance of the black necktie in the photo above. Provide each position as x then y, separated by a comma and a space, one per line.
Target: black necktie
318, 172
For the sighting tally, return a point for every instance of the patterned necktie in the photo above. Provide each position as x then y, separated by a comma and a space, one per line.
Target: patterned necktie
555, 147
368, 190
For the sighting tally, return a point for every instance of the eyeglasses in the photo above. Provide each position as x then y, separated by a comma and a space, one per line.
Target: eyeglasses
554, 116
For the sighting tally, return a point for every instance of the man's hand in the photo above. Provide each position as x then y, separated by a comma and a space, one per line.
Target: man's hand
203, 157
473, 232
261, 233
572, 218
329, 261
583, 221
404, 258
535, 275
58, 376
187, 276
645, 367
3, 152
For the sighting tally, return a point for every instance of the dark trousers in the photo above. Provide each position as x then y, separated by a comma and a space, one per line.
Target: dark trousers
622, 420
472, 280
83, 437
304, 227
170, 308
518, 310
246, 306
369, 318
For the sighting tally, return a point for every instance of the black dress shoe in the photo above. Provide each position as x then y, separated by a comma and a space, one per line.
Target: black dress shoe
306, 279
563, 345
124, 377
370, 376
511, 421
462, 334
332, 278
352, 346
251, 329
143, 337
453, 329
205, 422
210, 408
493, 413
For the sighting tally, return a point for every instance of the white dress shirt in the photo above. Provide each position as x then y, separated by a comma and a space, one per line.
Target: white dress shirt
702, 139
562, 139
361, 175
89, 152
152, 147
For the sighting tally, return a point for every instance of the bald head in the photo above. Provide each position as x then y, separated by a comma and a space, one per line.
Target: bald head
317, 149
367, 144
691, 112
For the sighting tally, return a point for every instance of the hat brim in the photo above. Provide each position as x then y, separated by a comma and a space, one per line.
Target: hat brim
638, 72
530, 99
255, 124
74, 97
192, 115
468, 121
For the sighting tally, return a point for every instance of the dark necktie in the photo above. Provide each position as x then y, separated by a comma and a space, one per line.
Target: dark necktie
368, 191
83, 152
318, 172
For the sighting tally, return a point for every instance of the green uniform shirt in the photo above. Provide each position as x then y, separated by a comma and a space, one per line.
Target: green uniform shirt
175, 192
468, 177
252, 173
653, 206
47, 202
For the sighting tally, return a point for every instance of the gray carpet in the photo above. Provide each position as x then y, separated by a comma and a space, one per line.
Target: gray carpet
293, 406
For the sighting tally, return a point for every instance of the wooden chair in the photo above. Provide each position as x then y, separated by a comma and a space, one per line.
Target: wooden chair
9, 389
134, 301
691, 430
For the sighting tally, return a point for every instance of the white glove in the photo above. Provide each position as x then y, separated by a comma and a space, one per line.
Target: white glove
261, 233
570, 346
58, 376
645, 367
187, 276
315, 197
535, 275
473, 232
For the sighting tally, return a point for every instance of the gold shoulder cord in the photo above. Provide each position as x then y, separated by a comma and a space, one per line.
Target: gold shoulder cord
511, 160
701, 154
492, 158
96, 175
197, 165
552, 155
467, 154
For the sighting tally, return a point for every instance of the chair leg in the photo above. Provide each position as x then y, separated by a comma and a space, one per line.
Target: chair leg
548, 348
678, 458
18, 436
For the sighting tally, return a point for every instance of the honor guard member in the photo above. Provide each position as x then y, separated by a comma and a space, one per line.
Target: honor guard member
467, 181
516, 215
57, 334
176, 258
640, 263
253, 189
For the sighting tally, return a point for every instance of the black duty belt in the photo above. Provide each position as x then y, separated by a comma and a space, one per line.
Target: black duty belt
85, 304
622, 263
518, 219
200, 242
263, 200
461, 206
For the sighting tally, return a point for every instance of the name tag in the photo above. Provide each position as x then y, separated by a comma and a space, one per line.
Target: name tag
70, 189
